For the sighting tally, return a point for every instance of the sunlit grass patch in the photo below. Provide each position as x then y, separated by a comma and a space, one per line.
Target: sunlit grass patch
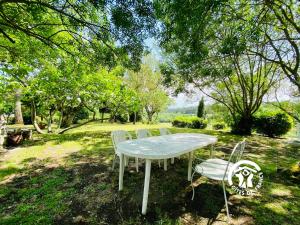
277, 207
281, 191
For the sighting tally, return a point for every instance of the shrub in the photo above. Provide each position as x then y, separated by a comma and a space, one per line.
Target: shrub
27, 118
122, 118
218, 126
190, 122
273, 125
82, 114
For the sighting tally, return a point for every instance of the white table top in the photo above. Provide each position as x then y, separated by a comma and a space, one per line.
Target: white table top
166, 146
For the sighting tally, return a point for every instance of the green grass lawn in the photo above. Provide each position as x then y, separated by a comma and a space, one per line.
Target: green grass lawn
67, 179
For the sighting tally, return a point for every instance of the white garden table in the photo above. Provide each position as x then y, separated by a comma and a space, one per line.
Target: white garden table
161, 147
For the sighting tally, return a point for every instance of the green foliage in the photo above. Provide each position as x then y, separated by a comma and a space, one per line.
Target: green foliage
200, 111
79, 27
219, 126
190, 122
82, 114
6, 99
273, 125
27, 118
218, 113
148, 86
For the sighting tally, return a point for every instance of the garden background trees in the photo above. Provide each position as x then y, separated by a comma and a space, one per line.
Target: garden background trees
147, 83
53, 49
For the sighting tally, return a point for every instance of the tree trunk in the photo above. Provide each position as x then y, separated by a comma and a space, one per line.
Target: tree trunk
60, 119
94, 115
33, 118
134, 118
50, 121
243, 125
150, 117
102, 117
67, 119
18, 107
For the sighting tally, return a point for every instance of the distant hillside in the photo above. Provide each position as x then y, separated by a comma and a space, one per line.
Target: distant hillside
184, 110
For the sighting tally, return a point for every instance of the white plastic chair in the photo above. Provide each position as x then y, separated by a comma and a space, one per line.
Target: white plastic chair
217, 169
144, 133
118, 136
164, 131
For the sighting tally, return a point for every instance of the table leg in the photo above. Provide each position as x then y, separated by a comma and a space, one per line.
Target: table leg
137, 164
172, 161
146, 186
190, 166
165, 164
121, 171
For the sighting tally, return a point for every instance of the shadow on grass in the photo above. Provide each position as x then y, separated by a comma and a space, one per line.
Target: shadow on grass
85, 191
8, 171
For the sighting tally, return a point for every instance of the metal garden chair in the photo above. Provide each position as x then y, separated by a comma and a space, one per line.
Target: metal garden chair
217, 169
164, 131
143, 133
118, 136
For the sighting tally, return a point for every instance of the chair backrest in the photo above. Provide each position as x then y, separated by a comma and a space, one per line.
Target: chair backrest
236, 154
118, 136
143, 133
164, 131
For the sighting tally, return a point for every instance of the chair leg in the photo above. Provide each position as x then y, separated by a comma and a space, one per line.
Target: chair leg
193, 185
226, 203
211, 151
137, 164
114, 162
126, 159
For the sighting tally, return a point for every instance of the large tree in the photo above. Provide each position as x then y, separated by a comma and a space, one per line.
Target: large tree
219, 54
279, 22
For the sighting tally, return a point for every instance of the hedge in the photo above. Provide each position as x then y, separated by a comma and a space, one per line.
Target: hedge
190, 122
273, 125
